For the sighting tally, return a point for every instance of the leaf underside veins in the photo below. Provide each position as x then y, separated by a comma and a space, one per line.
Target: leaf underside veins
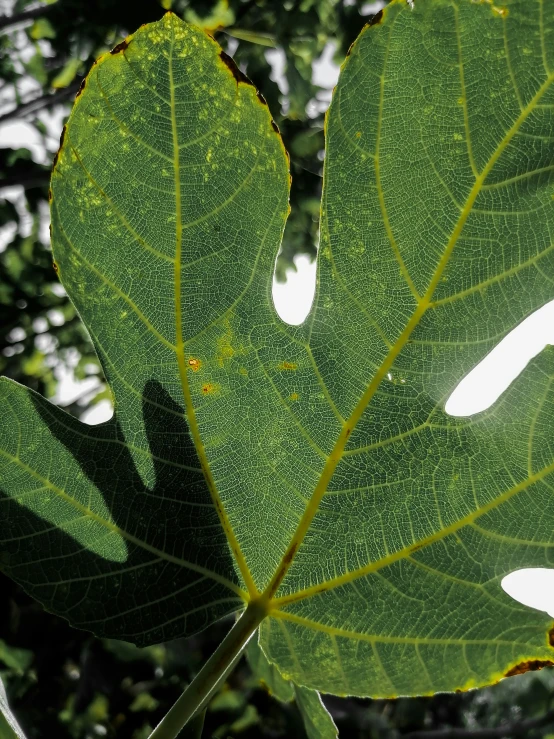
310, 469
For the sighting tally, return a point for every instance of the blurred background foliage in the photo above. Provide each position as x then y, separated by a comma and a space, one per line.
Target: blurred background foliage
63, 683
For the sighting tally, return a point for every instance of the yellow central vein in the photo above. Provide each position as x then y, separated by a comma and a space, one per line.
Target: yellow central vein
181, 359
338, 450
403, 553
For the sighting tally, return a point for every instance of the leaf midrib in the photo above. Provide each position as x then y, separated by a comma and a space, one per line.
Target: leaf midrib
180, 350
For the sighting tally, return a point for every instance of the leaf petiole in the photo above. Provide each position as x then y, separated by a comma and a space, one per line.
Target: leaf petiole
222, 661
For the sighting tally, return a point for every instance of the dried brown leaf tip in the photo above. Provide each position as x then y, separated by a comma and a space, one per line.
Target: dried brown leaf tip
235, 71
550, 635
56, 155
377, 18
81, 87
120, 47
529, 666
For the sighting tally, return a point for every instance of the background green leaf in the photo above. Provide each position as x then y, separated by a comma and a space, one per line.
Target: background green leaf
9, 728
317, 720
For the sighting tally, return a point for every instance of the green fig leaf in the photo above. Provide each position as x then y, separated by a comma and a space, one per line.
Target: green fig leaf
311, 469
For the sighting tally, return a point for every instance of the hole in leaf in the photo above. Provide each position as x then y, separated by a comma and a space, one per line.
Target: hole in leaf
533, 587
293, 299
489, 379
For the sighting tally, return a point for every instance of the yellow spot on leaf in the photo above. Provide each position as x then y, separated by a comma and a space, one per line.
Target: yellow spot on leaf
225, 350
288, 366
294, 396
209, 388
194, 364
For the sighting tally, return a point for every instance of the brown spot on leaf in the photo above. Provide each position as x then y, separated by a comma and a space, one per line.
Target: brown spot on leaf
235, 71
550, 635
287, 559
261, 98
275, 127
529, 666
209, 388
288, 366
347, 432
120, 47
377, 18
322, 589
49, 195
56, 268
62, 136
194, 364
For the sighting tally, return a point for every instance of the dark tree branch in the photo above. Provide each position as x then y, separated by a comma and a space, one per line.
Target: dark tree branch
42, 101
26, 15
509, 731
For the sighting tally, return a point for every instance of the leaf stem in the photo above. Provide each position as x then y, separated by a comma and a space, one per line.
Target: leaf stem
215, 670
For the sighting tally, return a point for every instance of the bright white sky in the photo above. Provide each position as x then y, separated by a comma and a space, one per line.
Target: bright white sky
476, 392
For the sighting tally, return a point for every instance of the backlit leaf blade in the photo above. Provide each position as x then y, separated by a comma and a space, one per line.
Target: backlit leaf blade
138, 557
437, 223
169, 170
